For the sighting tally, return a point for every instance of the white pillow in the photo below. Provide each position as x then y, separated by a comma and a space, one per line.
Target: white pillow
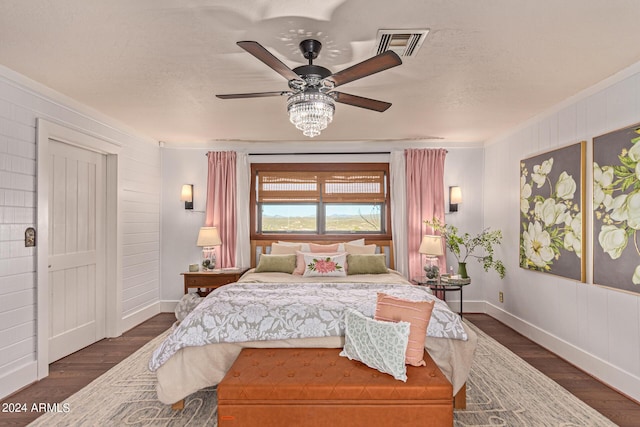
379, 345
318, 265
358, 242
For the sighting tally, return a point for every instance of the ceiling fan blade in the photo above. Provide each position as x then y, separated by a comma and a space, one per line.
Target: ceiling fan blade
384, 61
253, 95
257, 50
360, 101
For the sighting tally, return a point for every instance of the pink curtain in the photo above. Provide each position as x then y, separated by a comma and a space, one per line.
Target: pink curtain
221, 204
425, 200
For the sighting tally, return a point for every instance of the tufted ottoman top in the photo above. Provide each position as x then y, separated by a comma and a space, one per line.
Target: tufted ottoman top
286, 374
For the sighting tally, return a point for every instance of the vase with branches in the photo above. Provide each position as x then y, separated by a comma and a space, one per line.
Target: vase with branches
463, 246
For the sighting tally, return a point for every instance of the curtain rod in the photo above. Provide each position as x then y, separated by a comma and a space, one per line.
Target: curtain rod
314, 154
318, 154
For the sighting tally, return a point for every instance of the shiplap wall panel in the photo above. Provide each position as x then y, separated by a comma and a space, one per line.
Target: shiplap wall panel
19, 350
16, 317
21, 103
139, 301
596, 328
20, 332
140, 202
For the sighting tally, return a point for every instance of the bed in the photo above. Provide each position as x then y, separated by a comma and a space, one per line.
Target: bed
277, 309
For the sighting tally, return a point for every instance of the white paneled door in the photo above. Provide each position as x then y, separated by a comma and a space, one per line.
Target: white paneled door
77, 191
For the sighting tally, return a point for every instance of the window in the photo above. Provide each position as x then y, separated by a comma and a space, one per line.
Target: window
320, 199
283, 217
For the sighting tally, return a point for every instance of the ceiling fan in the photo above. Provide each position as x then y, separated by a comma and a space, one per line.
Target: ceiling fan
311, 99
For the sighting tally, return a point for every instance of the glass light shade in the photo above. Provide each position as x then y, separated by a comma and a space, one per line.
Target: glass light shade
187, 193
311, 112
431, 246
455, 195
208, 236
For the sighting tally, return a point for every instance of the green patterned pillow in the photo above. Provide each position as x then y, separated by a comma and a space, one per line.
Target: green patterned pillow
377, 344
276, 264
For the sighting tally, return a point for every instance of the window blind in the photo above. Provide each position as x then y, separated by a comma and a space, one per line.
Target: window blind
336, 187
282, 186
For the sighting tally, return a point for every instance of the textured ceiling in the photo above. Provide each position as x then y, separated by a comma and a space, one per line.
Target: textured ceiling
156, 65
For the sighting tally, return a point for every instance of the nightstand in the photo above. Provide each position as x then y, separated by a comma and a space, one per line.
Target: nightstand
206, 281
442, 285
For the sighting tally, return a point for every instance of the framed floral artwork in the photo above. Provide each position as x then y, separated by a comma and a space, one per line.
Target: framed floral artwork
552, 197
616, 209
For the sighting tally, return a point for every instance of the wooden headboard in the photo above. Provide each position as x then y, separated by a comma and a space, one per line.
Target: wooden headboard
259, 247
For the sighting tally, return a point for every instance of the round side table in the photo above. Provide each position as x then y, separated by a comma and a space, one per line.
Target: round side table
440, 286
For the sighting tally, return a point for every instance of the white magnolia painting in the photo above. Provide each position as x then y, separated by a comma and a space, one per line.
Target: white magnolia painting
552, 212
616, 209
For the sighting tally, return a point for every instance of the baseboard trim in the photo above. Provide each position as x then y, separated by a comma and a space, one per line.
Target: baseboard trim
18, 379
468, 306
132, 320
614, 377
168, 306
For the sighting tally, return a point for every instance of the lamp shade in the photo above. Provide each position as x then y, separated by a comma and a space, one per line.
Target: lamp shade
431, 245
455, 195
187, 193
208, 236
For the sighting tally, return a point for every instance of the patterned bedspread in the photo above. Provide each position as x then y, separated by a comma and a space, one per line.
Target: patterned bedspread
270, 311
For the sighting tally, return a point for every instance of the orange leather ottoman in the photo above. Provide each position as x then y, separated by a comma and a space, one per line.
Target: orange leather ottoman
316, 387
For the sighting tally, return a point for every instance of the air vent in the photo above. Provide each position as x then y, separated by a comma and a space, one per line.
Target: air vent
402, 42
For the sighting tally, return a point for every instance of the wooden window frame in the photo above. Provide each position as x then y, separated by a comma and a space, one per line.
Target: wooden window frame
319, 167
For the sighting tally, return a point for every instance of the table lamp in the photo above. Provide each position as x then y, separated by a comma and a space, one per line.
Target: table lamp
208, 238
431, 247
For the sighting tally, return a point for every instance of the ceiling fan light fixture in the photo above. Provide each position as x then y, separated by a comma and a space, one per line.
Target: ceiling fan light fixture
310, 111
311, 104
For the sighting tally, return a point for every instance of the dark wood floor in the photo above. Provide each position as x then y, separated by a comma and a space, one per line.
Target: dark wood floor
610, 403
72, 373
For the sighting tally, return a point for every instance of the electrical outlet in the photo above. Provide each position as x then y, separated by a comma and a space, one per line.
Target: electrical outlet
500, 297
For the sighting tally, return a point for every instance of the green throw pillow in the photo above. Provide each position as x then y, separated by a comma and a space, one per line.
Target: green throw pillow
366, 264
276, 264
379, 345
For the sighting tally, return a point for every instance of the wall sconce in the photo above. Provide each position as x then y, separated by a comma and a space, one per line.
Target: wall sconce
187, 196
455, 197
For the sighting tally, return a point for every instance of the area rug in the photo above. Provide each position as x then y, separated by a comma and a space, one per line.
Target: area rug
502, 390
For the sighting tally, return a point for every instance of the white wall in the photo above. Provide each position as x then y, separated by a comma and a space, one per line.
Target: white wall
179, 226
463, 167
596, 328
21, 102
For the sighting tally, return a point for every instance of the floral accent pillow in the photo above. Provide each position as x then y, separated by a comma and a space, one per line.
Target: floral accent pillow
301, 265
379, 345
317, 265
